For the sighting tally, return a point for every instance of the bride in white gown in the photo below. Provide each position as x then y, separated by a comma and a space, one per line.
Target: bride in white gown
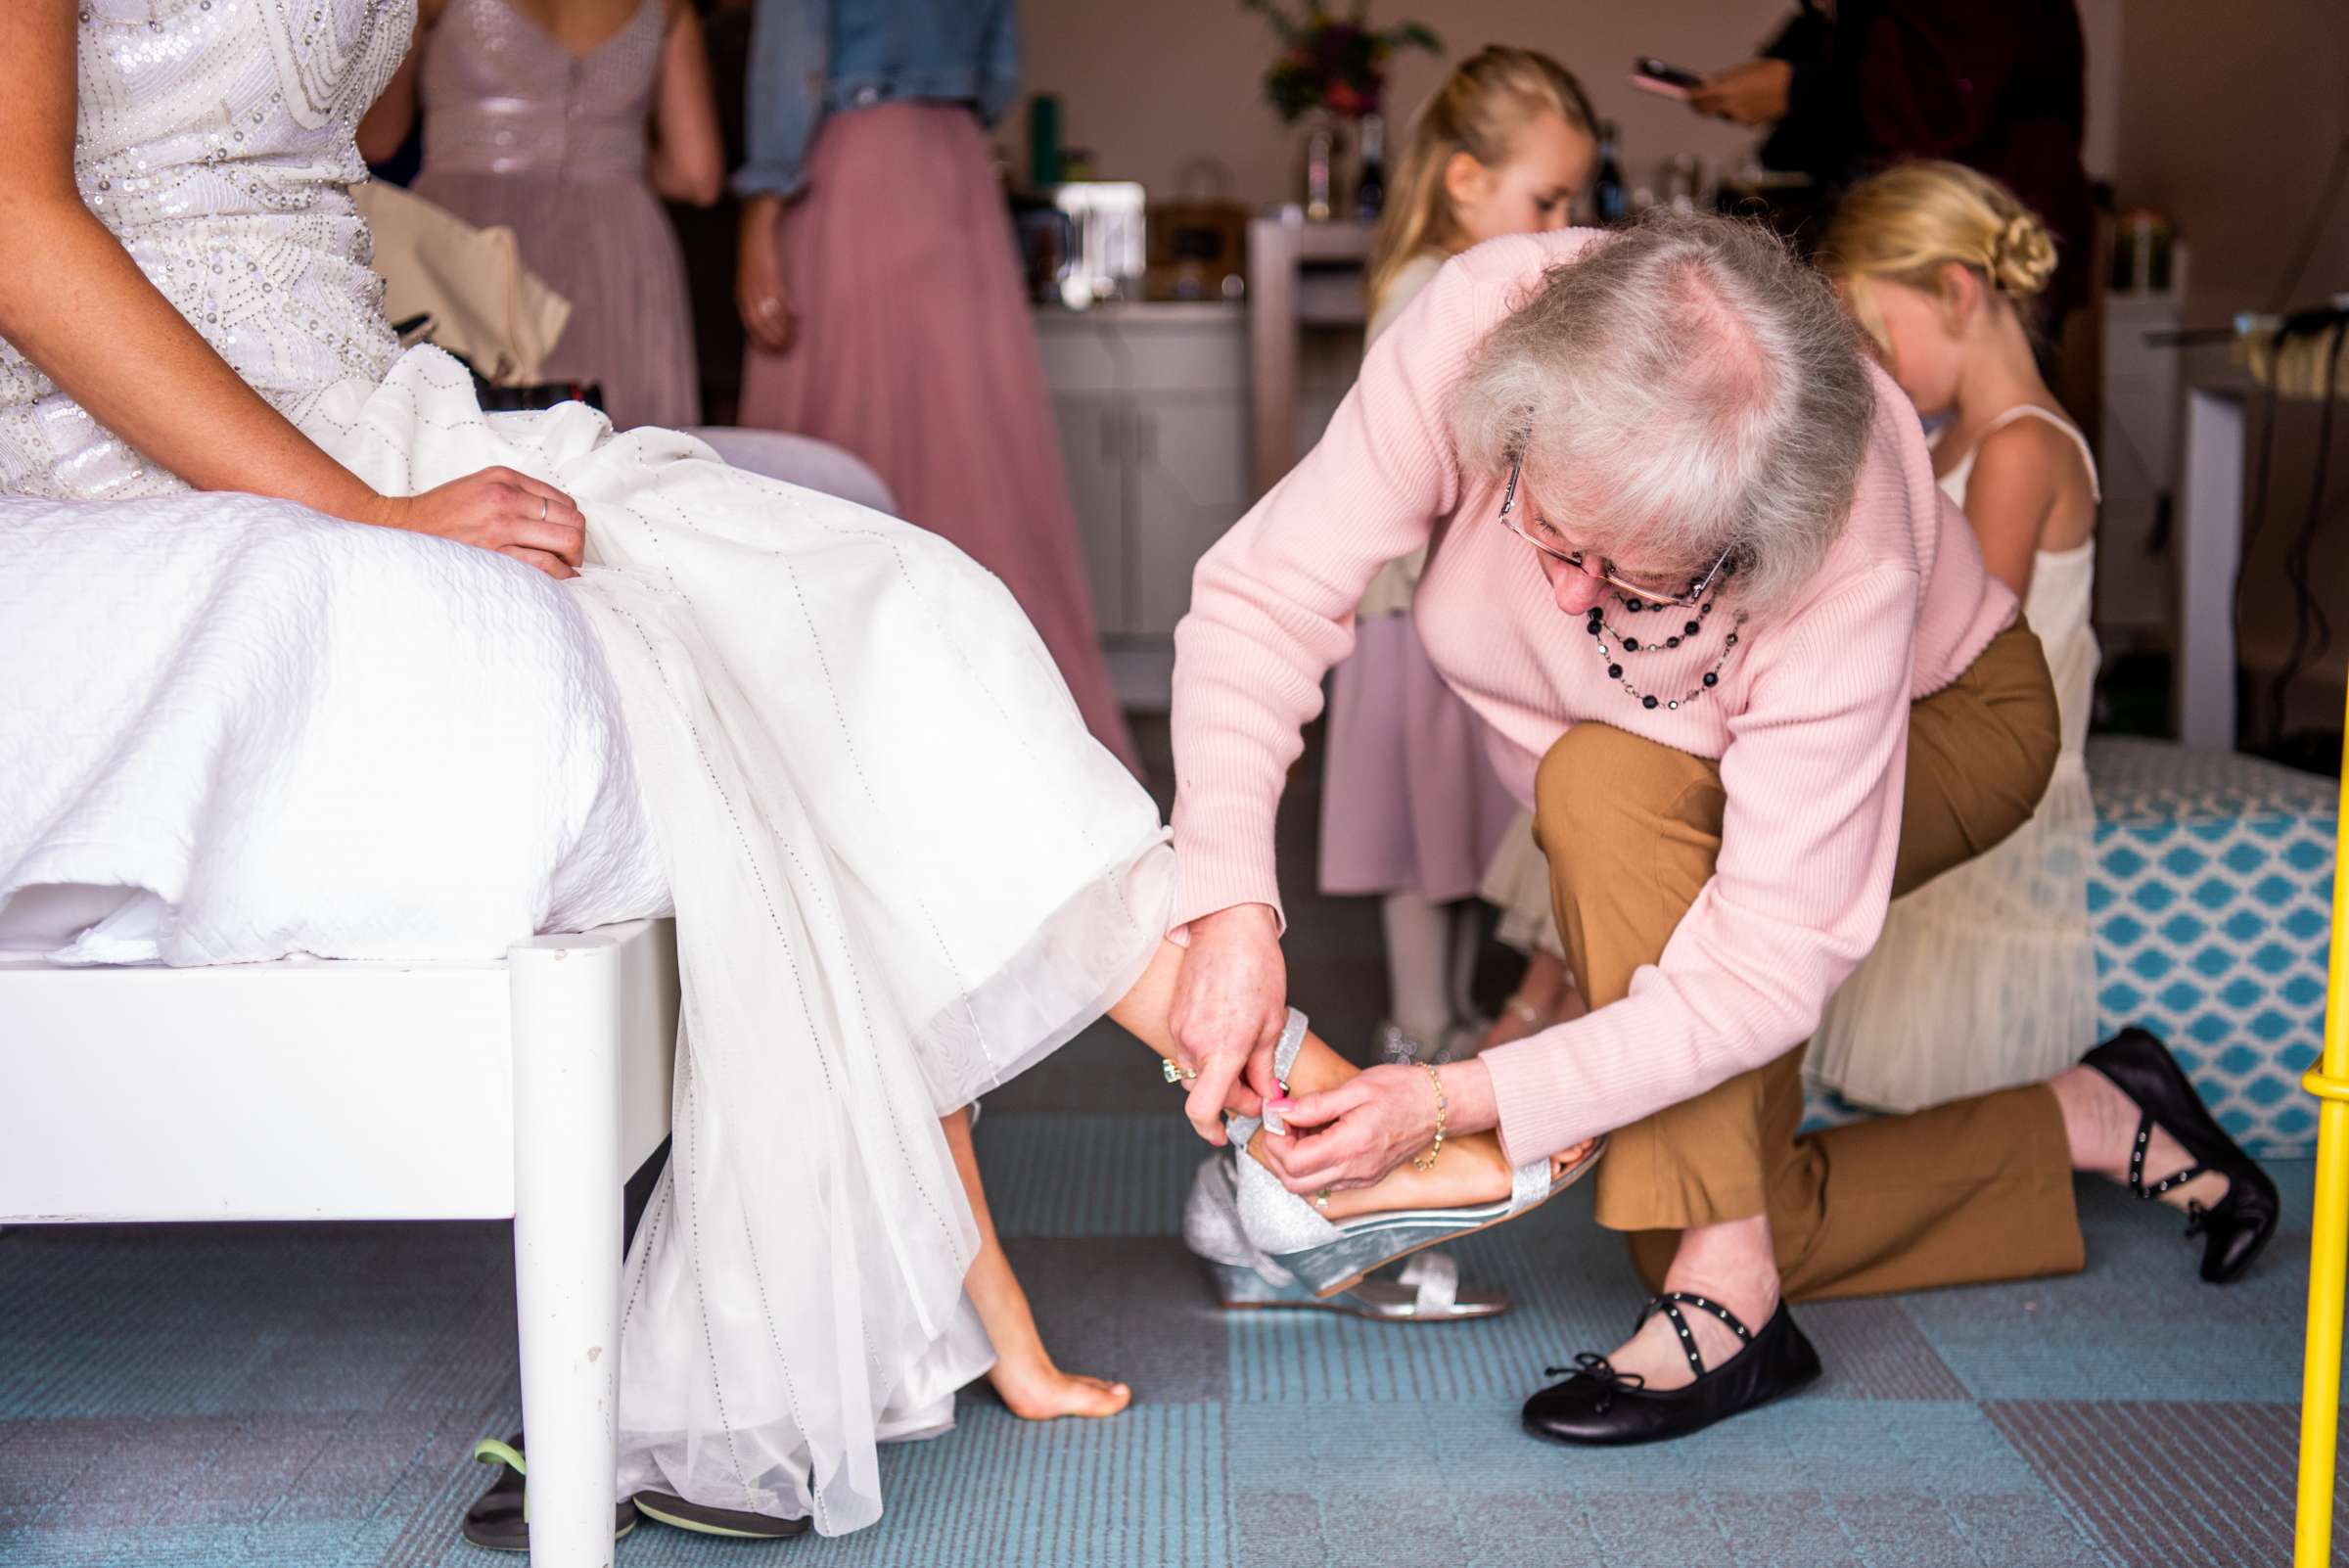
903, 870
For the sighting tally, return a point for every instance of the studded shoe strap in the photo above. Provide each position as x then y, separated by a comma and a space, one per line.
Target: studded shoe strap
2137, 1166
1669, 1302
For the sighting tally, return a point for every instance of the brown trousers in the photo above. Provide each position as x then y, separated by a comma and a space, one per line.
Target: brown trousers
1977, 1189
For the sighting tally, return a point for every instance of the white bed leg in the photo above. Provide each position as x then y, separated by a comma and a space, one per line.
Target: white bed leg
567, 1219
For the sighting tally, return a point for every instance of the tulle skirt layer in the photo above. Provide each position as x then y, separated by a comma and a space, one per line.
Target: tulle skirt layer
1984, 977
903, 872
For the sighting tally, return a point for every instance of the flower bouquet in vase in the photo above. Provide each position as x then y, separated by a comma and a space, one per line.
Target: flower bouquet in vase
1331, 68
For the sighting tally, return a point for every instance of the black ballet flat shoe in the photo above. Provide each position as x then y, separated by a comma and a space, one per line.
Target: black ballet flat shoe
1600, 1406
2235, 1228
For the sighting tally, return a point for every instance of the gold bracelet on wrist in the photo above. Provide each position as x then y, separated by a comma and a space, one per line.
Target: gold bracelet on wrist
1427, 1160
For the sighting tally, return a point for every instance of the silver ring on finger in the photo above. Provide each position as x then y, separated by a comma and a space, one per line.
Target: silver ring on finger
541, 508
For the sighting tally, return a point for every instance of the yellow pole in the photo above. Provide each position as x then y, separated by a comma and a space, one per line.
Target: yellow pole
2329, 1232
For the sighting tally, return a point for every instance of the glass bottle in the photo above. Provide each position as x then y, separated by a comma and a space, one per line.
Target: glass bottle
1609, 200
1370, 188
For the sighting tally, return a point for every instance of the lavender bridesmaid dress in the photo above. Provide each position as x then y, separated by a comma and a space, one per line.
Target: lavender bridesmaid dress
520, 132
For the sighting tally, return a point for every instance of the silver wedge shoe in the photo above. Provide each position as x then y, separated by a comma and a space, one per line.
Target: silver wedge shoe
1326, 1257
1427, 1290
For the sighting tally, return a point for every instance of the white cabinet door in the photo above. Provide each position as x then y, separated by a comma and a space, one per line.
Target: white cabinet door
1189, 475
1094, 439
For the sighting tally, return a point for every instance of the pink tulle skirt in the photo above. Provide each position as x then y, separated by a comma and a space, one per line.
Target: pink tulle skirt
1410, 799
914, 350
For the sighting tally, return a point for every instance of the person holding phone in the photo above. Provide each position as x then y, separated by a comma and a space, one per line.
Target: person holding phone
1849, 88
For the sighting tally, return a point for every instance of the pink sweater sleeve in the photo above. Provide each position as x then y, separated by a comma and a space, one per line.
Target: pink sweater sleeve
1813, 777
1272, 602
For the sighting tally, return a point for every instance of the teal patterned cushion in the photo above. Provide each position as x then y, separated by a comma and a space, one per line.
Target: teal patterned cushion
2211, 896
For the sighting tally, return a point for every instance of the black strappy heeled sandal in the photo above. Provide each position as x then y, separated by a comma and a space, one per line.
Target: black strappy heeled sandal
1599, 1406
2235, 1228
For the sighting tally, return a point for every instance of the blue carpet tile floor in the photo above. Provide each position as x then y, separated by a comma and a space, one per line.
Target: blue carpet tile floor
307, 1396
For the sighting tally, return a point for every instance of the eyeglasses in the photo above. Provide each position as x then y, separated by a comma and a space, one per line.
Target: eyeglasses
1698, 587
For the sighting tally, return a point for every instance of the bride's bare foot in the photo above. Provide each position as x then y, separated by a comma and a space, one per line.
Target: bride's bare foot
1033, 1389
1023, 1375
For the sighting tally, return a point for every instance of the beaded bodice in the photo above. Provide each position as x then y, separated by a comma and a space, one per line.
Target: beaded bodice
215, 138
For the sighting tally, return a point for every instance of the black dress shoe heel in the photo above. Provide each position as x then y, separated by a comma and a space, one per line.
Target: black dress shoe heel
1597, 1405
2235, 1228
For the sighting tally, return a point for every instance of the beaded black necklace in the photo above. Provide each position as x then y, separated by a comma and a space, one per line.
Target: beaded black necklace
1595, 622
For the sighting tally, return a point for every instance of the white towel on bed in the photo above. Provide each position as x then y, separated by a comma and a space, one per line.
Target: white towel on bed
263, 732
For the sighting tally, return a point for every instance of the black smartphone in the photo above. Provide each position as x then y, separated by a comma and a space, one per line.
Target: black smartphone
1658, 76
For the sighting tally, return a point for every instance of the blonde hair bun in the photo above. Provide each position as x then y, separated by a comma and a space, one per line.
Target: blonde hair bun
2024, 257
1911, 220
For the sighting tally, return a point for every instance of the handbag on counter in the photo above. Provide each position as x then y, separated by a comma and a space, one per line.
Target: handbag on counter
465, 288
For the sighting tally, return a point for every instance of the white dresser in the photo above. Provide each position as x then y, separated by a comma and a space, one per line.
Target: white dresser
1152, 405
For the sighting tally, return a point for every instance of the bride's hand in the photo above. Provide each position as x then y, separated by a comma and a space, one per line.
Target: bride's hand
1231, 1001
502, 510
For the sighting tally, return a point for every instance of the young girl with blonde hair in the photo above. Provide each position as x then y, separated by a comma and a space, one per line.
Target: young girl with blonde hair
1984, 977
1412, 809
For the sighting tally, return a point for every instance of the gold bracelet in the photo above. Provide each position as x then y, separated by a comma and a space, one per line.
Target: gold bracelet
1427, 1160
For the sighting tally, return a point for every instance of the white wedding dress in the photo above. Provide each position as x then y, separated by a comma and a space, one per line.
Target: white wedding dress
902, 869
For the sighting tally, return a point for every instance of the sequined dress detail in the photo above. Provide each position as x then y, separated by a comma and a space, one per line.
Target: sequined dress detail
215, 139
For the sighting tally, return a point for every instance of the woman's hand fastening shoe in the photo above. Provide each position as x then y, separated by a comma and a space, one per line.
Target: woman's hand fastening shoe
1372, 1124
1353, 1134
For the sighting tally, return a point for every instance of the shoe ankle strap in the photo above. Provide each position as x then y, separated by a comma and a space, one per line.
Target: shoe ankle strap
1670, 1303
1292, 1041
2136, 1165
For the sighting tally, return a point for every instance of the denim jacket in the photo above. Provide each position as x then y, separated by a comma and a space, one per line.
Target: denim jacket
812, 58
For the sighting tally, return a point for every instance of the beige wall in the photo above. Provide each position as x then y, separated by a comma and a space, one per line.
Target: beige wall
1155, 87
2224, 117
2229, 118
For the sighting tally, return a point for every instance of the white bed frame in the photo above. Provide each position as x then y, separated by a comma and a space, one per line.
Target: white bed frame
528, 1088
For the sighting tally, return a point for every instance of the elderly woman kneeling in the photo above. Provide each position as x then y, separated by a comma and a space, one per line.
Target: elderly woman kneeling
1691, 565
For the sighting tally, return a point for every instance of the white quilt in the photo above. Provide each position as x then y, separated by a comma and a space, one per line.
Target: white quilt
232, 730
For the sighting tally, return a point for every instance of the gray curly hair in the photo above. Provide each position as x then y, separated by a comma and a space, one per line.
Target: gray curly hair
1687, 385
